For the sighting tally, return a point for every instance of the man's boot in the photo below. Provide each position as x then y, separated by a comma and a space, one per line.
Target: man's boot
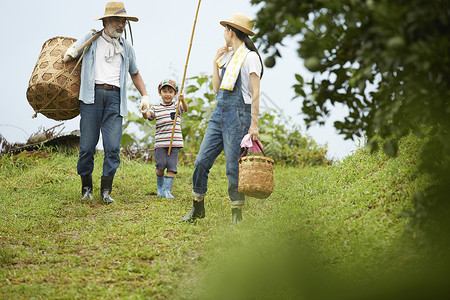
197, 212
86, 187
160, 185
236, 214
168, 183
106, 188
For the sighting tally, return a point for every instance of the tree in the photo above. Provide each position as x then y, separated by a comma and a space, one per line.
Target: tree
388, 62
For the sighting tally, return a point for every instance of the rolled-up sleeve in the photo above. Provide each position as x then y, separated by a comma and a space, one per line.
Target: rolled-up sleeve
129, 65
133, 68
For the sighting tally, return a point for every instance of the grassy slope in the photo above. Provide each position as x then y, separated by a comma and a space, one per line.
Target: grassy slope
325, 233
320, 224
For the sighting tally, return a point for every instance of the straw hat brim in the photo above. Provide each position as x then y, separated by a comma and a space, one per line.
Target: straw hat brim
237, 26
131, 18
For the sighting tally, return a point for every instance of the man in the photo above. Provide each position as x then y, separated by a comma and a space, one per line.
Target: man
103, 98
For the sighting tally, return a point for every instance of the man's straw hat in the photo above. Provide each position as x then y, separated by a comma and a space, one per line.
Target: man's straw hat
116, 9
240, 22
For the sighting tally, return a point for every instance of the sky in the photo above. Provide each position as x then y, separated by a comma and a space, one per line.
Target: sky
161, 42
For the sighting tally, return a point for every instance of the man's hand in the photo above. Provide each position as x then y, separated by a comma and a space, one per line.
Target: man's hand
70, 54
144, 104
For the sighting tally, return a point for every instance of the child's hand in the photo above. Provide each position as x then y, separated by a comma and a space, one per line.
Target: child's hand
146, 115
183, 103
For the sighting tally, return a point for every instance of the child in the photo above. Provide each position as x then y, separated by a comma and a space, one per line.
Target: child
164, 114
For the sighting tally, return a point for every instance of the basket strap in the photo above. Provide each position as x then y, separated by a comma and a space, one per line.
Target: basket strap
246, 151
243, 153
68, 78
260, 148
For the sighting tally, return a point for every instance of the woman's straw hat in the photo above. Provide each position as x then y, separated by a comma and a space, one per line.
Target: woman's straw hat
116, 9
240, 22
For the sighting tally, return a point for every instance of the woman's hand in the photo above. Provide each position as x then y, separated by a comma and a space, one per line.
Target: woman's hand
216, 75
220, 52
254, 132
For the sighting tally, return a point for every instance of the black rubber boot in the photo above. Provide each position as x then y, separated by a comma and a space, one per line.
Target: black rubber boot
236, 215
106, 188
86, 187
197, 212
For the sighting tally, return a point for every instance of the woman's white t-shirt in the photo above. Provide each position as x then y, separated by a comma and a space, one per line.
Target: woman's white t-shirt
251, 64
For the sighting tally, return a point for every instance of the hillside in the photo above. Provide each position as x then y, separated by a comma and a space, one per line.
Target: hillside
337, 230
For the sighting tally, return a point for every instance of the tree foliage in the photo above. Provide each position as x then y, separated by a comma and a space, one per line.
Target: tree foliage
387, 61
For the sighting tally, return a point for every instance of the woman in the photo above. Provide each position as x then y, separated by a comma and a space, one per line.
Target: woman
236, 114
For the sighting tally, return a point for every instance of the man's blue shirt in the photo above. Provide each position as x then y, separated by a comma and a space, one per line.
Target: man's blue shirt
87, 87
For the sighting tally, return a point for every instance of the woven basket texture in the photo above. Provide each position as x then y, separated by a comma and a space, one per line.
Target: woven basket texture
256, 176
53, 88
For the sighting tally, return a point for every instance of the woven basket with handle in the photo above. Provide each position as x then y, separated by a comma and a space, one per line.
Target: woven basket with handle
54, 86
255, 175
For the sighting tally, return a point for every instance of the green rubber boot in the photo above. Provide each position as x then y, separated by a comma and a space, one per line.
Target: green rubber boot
197, 212
106, 188
86, 187
236, 215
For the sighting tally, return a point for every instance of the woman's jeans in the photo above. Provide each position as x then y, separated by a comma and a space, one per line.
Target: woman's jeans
102, 116
229, 123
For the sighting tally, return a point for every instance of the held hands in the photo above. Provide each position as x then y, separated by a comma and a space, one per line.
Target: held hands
144, 104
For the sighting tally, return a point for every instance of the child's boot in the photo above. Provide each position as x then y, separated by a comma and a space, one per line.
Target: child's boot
160, 185
168, 183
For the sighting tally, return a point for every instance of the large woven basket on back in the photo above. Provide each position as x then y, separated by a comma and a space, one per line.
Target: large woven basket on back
54, 86
255, 175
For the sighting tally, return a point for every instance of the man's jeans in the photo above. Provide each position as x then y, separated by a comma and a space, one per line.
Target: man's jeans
102, 116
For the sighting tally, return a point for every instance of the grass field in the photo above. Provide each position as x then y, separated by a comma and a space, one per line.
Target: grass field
329, 232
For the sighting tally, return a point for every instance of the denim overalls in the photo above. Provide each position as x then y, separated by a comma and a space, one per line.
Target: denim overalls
229, 123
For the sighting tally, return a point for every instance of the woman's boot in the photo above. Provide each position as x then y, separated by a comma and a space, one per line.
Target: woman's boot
236, 214
106, 188
168, 183
197, 212
160, 185
86, 187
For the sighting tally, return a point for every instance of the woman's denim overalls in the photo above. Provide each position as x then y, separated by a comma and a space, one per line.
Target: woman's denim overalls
229, 123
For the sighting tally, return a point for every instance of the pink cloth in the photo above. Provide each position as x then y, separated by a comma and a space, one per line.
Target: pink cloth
248, 143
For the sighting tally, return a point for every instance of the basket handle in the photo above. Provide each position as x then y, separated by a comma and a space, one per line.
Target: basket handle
246, 150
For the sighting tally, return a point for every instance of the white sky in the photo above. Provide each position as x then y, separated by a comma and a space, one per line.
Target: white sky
161, 40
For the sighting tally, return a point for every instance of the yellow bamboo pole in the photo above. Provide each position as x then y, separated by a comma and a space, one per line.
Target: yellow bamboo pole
184, 77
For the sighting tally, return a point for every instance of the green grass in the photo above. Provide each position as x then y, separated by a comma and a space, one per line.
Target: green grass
324, 231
